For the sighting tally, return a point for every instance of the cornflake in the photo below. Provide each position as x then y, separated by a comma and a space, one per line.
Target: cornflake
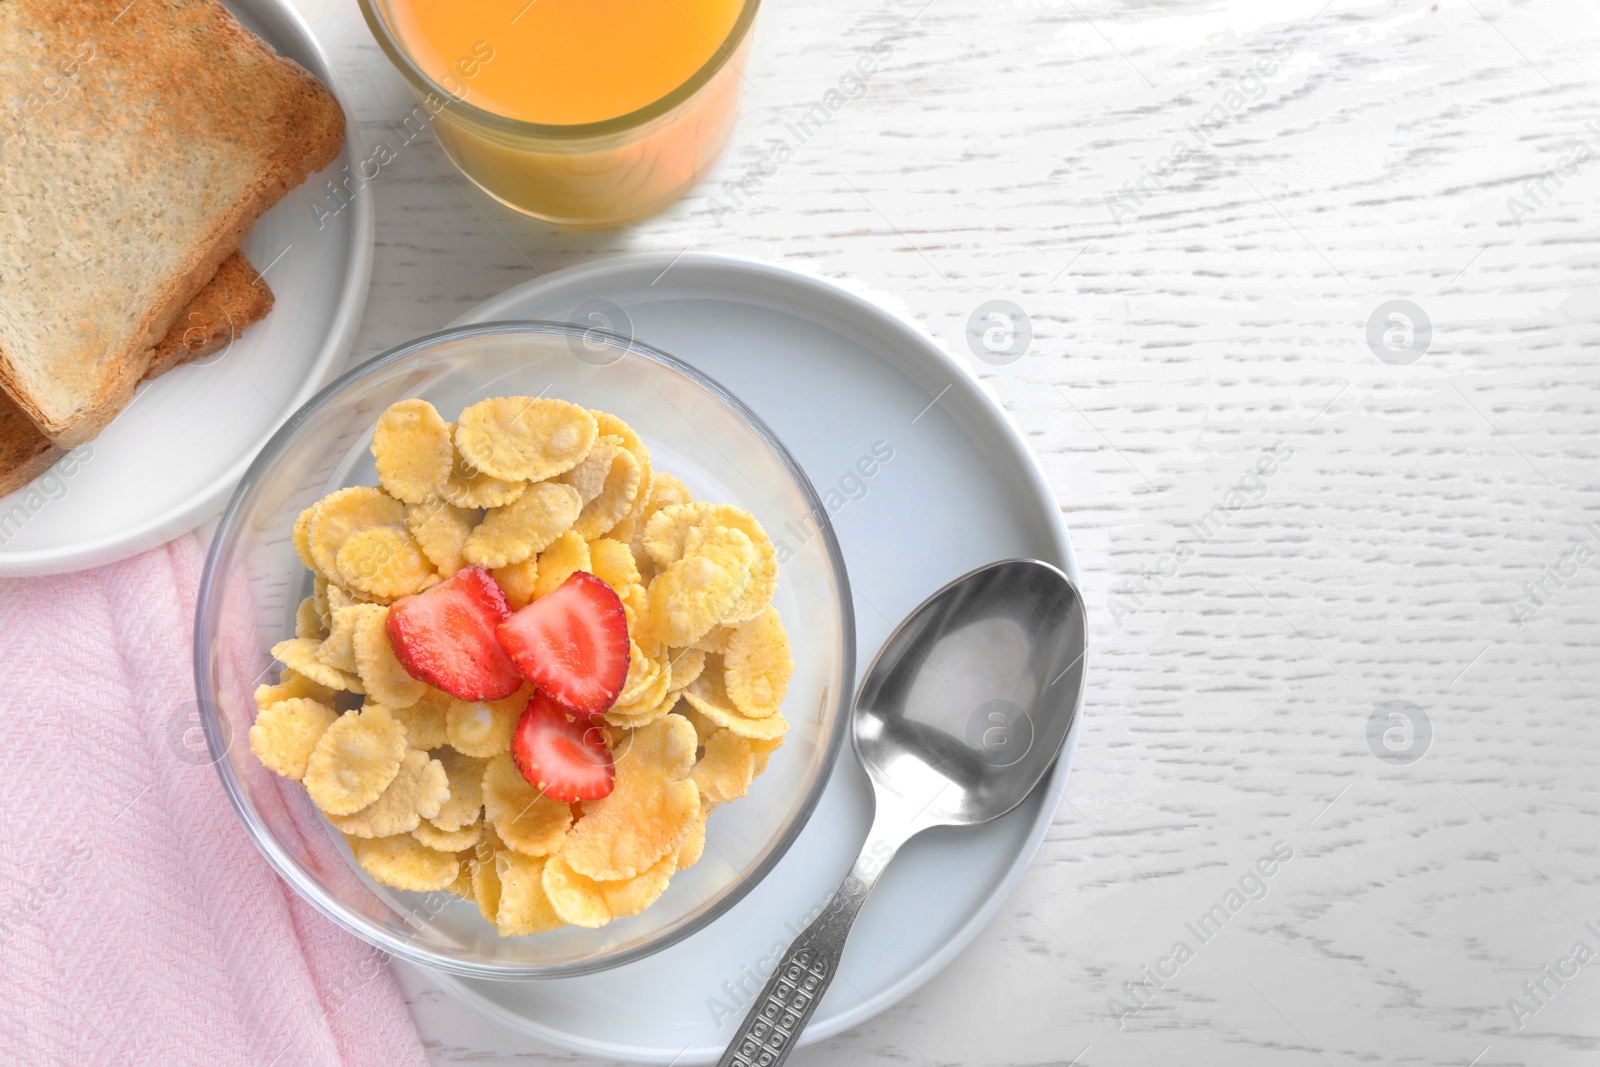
758, 665
418, 790
524, 438
403, 862
526, 820
465, 775
483, 728
524, 527
354, 760
524, 908
285, 733
386, 681
343, 513
651, 807
710, 698
441, 529
424, 720
694, 593
411, 449
469, 487
300, 655
568, 554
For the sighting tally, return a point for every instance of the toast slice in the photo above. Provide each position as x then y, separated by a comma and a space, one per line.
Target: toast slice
234, 299
140, 144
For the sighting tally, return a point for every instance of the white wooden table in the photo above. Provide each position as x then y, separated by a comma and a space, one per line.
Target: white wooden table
1200, 208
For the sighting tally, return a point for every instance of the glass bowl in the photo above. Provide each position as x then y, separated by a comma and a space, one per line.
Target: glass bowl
694, 429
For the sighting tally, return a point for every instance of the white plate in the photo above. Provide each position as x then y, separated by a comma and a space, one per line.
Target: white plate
833, 374
171, 458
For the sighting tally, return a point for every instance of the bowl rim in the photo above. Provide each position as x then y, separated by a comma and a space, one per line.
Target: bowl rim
219, 738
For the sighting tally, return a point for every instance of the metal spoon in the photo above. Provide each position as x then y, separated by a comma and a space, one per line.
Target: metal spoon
960, 715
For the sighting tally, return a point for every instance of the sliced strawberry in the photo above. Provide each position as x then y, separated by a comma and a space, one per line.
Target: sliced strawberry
445, 635
573, 644
566, 759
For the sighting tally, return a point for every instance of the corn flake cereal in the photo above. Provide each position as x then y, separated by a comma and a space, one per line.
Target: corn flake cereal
411, 448
728, 767
686, 665
384, 561
524, 527
292, 684
416, 793
650, 809
709, 697
519, 582
694, 593
526, 820
758, 665
354, 760
424, 721
524, 438
465, 775
341, 514
485, 879
589, 476
300, 655
703, 727
338, 649
633, 895
577, 899
285, 733
524, 908
615, 500
403, 862
763, 571
612, 562
764, 747
386, 681
423, 785
642, 674
695, 844
483, 728
308, 620
448, 840
300, 537
715, 642
466, 487
441, 530
568, 554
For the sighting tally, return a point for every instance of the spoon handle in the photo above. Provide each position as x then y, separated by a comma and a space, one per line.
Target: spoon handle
790, 997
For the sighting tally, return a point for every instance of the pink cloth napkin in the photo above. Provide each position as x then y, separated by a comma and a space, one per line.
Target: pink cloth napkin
138, 924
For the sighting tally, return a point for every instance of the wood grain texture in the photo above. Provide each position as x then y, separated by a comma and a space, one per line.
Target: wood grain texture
1444, 153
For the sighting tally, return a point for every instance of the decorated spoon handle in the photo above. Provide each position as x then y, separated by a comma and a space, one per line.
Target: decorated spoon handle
788, 1000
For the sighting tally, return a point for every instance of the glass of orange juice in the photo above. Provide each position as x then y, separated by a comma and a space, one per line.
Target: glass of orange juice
579, 112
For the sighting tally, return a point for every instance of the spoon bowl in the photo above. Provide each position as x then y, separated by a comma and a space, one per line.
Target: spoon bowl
971, 698
959, 717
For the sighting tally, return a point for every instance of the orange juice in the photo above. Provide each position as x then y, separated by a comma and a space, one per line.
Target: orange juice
564, 62
584, 112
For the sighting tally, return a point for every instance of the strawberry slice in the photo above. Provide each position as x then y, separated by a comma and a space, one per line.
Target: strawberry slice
566, 759
573, 644
445, 636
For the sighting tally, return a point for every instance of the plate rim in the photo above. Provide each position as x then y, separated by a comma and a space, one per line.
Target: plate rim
208, 502
924, 345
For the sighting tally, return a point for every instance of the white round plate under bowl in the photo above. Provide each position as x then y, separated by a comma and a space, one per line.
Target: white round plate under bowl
926, 479
171, 458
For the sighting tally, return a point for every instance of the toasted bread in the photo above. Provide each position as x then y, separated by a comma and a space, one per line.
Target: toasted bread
232, 300
141, 143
